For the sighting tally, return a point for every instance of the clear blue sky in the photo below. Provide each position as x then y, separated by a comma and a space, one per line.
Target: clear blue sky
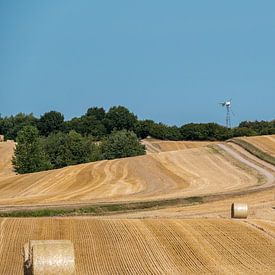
171, 61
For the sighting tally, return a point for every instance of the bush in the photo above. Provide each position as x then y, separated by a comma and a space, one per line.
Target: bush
69, 149
120, 144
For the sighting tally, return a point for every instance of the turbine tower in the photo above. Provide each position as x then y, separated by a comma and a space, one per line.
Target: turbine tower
227, 104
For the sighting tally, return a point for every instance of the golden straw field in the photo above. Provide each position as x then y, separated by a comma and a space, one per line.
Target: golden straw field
197, 238
265, 143
157, 146
192, 172
163, 246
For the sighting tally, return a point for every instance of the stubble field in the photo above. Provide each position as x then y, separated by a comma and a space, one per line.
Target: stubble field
265, 143
163, 246
193, 239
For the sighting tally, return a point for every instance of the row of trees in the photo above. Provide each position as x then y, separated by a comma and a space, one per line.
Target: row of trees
97, 124
51, 142
34, 153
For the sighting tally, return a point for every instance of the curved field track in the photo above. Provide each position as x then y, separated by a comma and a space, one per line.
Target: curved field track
261, 206
157, 146
264, 143
192, 172
261, 202
169, 246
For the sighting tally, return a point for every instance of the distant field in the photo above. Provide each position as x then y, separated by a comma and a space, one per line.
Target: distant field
265, 143
106, 246
165, 175
157, 146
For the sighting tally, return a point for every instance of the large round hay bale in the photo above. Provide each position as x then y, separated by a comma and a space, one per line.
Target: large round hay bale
50, 257
239, 210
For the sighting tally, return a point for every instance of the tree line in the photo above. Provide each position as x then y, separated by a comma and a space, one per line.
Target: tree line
51, 142
97, 124
34, 153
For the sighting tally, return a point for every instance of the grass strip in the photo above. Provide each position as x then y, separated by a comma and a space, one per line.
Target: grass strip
101, 209
254, 150
108, 209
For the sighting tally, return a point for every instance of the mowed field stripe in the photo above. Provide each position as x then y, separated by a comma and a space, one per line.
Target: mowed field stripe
148, 246
265, 143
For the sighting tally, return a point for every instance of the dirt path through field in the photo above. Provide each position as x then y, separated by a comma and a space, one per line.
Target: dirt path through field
241, 151
261, 204
270, 179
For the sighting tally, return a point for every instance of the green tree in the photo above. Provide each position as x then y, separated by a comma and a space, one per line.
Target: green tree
51, 122
143, 128
82, 149
120, 144
243, 131
10, 126
56, 147
87, 126
162, 131
70, 148
205, 131
260, 127
119, 118
98, 113
29, 155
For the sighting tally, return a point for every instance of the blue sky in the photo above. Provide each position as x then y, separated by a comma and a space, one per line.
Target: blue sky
171, 61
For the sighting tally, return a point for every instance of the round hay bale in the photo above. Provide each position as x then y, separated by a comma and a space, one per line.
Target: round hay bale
50, 257
239, 210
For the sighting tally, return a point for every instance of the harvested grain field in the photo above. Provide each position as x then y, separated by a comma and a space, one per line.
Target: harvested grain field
261, 202
264, 143
191, 172
157, 146
165, 246
6, 153
123, 243
261, 206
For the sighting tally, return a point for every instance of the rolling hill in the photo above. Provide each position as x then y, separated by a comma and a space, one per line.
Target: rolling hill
157, 146
191, 239
192, 172
264, 143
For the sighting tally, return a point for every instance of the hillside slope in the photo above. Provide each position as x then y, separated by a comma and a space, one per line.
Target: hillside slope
264, 143
157, 146
165, 175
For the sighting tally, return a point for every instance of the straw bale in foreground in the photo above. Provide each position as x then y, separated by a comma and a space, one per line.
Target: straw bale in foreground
49, 257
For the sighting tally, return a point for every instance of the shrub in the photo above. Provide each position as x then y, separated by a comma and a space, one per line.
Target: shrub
121, 144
